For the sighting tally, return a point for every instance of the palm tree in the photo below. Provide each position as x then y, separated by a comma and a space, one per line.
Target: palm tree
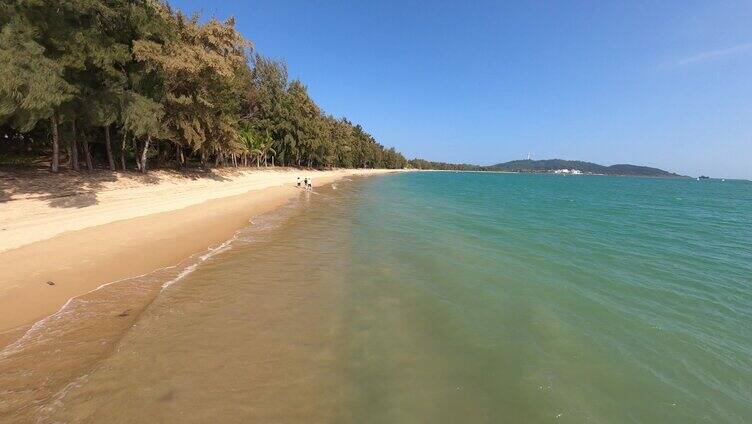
266, 147
248, 141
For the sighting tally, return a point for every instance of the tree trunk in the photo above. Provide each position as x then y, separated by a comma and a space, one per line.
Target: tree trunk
181, 157
143, 155
87, 154
55, 144
272, 160
107, 144
122, 149
74, 148
258, 161
135, 153
69, 154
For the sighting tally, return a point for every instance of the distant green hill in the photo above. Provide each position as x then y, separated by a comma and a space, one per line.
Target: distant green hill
550, 165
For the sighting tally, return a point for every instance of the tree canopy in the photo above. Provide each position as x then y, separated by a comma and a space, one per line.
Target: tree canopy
170, 88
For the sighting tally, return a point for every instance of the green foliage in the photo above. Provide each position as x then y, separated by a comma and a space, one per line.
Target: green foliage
302, 134
155, 76
141, 115
32, 86
424, 164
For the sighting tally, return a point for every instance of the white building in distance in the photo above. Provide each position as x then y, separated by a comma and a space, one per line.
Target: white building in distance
568, 171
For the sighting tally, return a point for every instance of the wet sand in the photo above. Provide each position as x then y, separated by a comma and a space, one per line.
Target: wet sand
250, 335
133, 228
42, 372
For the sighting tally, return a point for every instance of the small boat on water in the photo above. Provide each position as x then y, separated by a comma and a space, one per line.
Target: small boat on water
703, 177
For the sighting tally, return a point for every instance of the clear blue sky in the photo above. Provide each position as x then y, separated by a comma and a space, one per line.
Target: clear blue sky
658, 83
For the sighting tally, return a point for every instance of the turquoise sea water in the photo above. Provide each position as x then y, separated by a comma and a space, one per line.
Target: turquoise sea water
537, 298
455, 297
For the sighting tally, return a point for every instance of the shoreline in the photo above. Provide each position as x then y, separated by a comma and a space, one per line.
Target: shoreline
121, 238
57, 351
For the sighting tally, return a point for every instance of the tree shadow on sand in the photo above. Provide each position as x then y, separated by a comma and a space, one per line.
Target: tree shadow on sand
70, 189
65, 190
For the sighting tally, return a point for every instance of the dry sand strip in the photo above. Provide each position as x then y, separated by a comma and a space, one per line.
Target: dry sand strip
133, 227
40, 206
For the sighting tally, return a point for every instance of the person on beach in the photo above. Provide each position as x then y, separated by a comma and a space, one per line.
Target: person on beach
310, 184
298, 183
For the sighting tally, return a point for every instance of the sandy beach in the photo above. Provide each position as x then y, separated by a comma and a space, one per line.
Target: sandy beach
63, 236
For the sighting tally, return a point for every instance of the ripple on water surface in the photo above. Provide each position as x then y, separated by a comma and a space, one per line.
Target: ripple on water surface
446, 297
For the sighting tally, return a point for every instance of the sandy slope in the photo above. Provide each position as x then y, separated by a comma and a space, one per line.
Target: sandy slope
38, 207
82, 231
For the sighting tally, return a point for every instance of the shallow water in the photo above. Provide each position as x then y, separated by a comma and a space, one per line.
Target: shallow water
449, 297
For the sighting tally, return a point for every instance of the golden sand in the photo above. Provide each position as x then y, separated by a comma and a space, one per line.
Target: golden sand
63, 236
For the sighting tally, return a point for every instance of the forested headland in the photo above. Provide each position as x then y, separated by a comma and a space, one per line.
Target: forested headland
129, 84
547, 166
443, 166
550, 165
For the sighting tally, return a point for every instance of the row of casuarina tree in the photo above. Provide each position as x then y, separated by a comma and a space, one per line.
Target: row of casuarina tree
150, 83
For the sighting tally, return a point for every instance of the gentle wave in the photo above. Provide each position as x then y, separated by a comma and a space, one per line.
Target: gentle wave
449, 297
54, 354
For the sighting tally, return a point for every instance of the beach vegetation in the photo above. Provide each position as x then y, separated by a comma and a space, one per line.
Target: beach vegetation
90, 81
